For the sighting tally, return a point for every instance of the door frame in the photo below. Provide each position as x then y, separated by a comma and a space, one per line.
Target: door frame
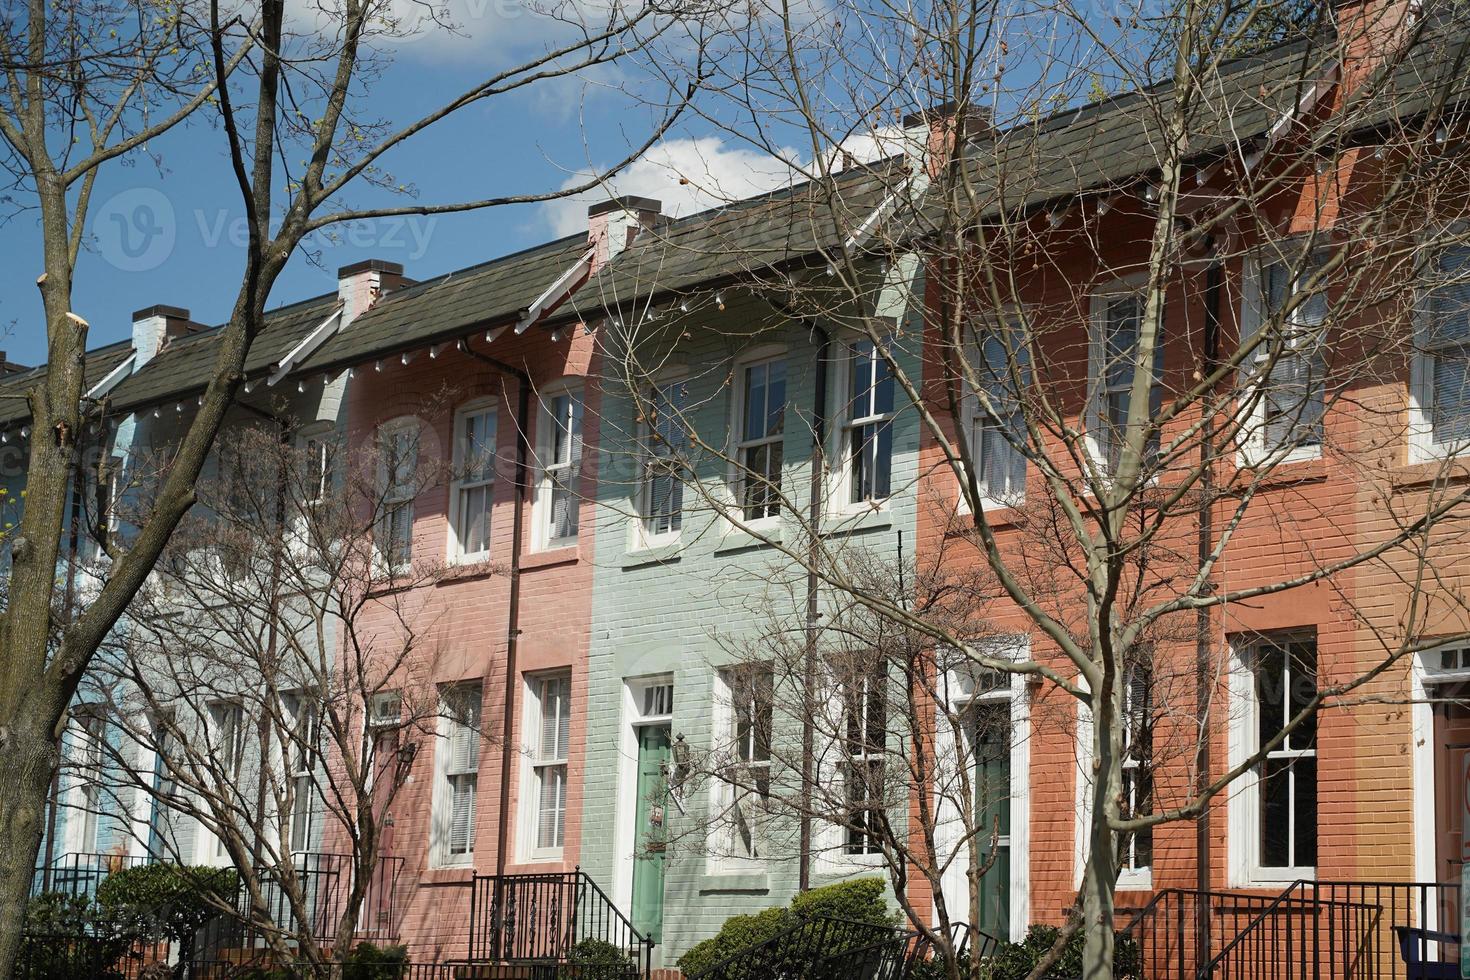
959, 691
1423, 678
625, 834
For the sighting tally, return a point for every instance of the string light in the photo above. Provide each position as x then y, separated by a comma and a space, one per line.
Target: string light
434, 352
720, 301
405, 358
378, 366
25, 432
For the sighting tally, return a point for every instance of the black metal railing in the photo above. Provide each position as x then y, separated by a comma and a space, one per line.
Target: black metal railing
823, 948
78, 874
545, 918
1342, 929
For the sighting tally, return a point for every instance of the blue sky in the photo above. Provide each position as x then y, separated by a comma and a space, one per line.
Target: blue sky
170, 232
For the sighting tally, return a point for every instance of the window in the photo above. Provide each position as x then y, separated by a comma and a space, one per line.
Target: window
1444, 351
227, 720
561, 455
551, 738
473, 490
759, 446
1291, 393
314, 450
454, 837
1118, 318
1286, 679
998, 436
865, 727
91, 732
398, 445
382, 734
867, 424
663, 487
748, 777
164, 786
658, 700
301, 755
1136, 849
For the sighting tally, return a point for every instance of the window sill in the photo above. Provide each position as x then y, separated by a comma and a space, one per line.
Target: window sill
663, 553
454, 874
1290, 472
997, 515
742, 881
459, 570
562, 555
857, 520
1423, 472
762, 534
1141, 881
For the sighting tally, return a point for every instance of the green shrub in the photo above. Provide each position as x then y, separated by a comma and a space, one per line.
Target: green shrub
1015, 961
859, 900
597, 959
368, 961
171, 901
72, 937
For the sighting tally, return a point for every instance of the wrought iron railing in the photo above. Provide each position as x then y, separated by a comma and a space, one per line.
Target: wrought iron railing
1347, 930
79, 874
543, 918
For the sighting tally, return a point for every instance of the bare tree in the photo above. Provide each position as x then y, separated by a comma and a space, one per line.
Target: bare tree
1127, 327
86, 84
275, 694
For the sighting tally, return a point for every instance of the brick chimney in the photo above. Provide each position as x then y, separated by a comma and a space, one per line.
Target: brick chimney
361, 284
613, 224
155, 326
930, 134
8, 366
1371, 32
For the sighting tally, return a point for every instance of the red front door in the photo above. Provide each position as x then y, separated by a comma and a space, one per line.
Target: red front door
1451, 757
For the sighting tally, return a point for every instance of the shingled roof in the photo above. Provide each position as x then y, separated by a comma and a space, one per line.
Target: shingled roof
450, 306
185, 364
15, 409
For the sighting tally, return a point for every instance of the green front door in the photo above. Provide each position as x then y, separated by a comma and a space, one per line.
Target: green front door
992, 741
651, 834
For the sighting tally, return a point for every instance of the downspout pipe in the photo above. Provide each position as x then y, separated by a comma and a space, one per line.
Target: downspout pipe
513, 618
1214, 296
813, 614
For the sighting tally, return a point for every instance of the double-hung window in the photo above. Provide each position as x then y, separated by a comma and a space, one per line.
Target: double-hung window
552, 736
561, 464
867, 424
1288, 369
1118, 320
1444, 351
748, 689
398, 448
865, 732
301, 752
473, 489
1284, 679
998, 434
1136, 848
227, 719
454, 838
663, 474
762, 427
314, 450
382, 737
91, 731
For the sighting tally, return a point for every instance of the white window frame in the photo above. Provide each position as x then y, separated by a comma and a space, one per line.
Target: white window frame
849, 424
396, 498
314, 445
1097, 421
659, 459
1423, 448
300, 768
226, 739
89, 739
739, 445
378, 723
541, 765
1243, 821
1254, 450
727, 854
465, 484
872, 850
976, 423
554, 471
456, 771
1131, 876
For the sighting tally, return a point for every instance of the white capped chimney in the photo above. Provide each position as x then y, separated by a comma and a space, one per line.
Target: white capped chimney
613, 224
360, 284
155, 326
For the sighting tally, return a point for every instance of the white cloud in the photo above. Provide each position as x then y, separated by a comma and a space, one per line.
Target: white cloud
430, 29
688, 175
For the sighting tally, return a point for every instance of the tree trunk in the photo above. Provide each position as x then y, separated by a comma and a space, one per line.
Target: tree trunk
28, 757
1100, 874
